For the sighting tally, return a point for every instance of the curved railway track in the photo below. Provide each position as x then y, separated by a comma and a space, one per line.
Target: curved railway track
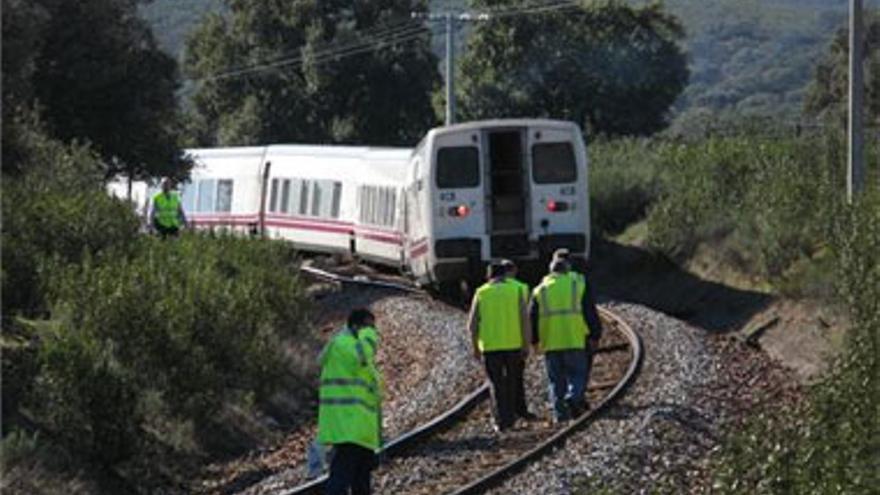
462, 453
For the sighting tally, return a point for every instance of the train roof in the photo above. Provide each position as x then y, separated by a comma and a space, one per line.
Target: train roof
364, 163
482, 124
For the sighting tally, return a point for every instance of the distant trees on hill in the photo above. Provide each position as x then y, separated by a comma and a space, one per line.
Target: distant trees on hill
92, 72
288, 72
611, 68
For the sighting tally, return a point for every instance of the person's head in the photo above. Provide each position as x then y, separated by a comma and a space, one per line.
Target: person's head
509, 267
167, 185
360, 318
495, 270
561, 254
559, 266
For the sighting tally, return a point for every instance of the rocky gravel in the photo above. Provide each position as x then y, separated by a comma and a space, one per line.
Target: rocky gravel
424, 355
692, 388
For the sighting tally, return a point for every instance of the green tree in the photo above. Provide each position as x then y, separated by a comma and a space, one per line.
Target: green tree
828, 93
612, 68
92, 70
379, 95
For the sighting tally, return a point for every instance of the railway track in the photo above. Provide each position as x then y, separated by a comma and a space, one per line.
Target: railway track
458, 452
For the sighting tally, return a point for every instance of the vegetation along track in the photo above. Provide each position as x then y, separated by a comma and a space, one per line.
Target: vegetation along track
458, 452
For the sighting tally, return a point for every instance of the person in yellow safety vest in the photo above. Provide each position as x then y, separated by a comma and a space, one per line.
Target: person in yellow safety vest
520, 406
556, 311
591, 314
167, 215
350, 404
501, 334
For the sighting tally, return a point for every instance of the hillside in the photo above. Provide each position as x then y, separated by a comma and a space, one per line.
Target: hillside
747, 56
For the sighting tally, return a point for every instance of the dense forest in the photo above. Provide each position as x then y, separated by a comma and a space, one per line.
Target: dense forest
751, 57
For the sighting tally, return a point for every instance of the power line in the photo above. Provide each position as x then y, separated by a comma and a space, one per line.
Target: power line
340, 50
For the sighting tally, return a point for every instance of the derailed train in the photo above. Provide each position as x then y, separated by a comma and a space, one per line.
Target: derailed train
466, 193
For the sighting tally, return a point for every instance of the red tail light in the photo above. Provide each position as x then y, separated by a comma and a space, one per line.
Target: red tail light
555, 206
459, 211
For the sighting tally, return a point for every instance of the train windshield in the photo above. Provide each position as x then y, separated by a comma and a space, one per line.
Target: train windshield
553, 163
458, 166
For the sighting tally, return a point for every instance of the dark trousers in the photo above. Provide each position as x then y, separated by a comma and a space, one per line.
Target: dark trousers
350, 470
165, 232
505, 370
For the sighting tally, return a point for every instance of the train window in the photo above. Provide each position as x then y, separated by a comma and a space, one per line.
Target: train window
273, 197
457, 167
285, 196
207, 189
294, 198
337, 199
553, 163
316, 198
304, 197
188, 197
224, 195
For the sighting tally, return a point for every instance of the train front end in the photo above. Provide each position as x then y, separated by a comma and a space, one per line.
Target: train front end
513, 189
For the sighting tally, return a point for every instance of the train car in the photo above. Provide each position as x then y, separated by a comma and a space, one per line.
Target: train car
338, 199
503, 188
467, 193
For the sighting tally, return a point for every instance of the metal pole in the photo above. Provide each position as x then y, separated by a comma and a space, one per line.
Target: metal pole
450, 70
855, 181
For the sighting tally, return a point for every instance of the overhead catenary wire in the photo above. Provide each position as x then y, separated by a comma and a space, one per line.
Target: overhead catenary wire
343, 50
375, 38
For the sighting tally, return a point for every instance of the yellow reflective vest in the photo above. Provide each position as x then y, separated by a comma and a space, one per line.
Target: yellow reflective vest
499, 310
167, 209
561, 324
350, 402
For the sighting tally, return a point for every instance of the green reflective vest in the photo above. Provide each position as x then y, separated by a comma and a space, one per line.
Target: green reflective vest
522, 286
561, 324
350, 396
167, 208
498, 307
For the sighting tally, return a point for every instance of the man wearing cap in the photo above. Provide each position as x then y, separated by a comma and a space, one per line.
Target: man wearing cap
557, 312
588, 306
500, 333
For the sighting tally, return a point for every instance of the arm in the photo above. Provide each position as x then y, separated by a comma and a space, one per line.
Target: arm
526, 325
533, 320
591, 315
474, 327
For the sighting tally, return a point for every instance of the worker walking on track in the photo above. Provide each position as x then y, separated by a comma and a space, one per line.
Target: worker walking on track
350, 403
167, 215
557, 310
501, 332
591, 314
520, 406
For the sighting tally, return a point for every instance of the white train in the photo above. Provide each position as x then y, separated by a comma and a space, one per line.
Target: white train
465, 194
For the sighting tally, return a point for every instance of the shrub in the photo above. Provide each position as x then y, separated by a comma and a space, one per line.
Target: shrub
623, 183
830, 445
189, 323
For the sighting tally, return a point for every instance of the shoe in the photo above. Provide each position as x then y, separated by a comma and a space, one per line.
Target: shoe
501, 427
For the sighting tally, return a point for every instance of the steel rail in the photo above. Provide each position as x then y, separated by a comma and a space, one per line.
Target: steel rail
448, 417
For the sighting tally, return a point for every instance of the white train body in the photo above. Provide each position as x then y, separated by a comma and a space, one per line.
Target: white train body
466, 194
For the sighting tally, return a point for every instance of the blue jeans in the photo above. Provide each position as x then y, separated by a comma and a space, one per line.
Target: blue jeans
567, 373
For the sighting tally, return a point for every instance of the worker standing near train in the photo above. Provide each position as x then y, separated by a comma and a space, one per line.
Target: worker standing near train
591, 314
520, 406
350, 403
557, 312
167, 214
500, 333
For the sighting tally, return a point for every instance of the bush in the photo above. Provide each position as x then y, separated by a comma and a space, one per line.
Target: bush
831, 444
623, 183
769, 200
190, 323
56, 208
